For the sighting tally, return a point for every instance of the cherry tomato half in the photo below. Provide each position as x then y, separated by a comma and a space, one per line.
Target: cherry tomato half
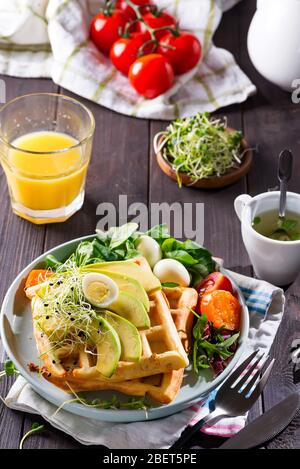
222, 309
183, 50
157, 20
151, 75
125, 50
214, 281
105, 29
37, 276
128, 11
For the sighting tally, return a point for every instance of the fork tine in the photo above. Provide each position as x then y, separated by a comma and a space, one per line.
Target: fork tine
256, 375
248, 373
236, 373
262, 383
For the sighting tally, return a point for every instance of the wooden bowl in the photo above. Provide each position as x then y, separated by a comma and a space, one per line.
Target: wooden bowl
213, 182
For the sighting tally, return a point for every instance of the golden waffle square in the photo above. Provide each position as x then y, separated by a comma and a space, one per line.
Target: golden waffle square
161, 387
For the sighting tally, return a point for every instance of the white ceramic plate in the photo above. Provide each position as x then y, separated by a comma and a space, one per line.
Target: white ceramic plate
17, 335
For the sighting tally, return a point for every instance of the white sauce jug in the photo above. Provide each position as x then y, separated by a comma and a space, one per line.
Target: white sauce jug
274, 41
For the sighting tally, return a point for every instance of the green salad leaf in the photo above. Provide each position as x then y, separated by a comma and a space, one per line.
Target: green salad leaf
159, 233
119, 244
119, 235
212, 347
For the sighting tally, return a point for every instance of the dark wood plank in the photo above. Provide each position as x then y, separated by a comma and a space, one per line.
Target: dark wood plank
119, 166
271, 120
120, 149
11, 421
222, 228
20, 243
48, 438
285, 378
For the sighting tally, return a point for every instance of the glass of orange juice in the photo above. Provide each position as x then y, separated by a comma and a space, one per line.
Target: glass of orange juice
45, 148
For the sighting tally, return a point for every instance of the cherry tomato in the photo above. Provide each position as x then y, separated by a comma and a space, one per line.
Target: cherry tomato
37, 276
222, 309
186, 51
157, 20
105, 29
214, 281
151, 75
128, 11
125, 51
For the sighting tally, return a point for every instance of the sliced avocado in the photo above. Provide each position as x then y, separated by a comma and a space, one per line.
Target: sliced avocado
131, 269
127, 284
108, 347
131, 309
131, 345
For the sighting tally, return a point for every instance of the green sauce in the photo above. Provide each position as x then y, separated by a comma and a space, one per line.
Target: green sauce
281, 229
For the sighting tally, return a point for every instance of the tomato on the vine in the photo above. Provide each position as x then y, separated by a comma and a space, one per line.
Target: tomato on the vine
128, 11
151, 75
161, 19
125, 51
106, 27
182, 49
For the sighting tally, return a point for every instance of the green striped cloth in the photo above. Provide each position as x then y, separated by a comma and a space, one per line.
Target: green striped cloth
50, 38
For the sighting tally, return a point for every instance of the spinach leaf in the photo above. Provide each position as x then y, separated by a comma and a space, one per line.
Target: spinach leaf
118, 235
159, 233
84, 253
51, 262
194, 257
119, 244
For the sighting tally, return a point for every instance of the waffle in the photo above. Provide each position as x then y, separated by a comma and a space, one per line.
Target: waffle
165, 344
161, 387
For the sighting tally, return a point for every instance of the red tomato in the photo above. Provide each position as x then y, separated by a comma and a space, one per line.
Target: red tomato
186, 53
105, 29
151, 75
128, 11
159, 20
214, 281
37, 276
222, 309
125, 51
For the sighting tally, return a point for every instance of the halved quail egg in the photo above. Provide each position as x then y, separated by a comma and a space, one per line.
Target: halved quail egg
99, 290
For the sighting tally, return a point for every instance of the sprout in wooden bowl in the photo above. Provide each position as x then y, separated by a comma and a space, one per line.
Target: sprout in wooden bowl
202, 152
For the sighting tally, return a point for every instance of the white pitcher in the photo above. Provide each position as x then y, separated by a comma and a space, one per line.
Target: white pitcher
277, 262
274, 41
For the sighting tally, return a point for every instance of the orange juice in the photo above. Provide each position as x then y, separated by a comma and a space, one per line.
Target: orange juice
41, 180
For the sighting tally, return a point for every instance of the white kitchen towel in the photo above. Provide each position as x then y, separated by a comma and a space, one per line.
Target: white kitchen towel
50, 38
266, 305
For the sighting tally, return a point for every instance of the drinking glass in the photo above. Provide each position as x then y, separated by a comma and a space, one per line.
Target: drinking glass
45, 149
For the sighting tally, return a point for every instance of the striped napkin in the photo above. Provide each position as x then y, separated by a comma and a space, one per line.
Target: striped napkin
50, 38
266, 305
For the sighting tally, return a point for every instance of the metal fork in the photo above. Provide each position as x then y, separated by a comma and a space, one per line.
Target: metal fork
237, 394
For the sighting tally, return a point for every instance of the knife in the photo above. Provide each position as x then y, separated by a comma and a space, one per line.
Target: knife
266, 427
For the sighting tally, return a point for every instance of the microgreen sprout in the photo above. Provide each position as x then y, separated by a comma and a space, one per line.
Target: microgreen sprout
200, 147
66, 317
35, 428
9, 369
113, 403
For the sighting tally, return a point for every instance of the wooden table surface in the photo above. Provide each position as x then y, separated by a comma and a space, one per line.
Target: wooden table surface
123, 163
